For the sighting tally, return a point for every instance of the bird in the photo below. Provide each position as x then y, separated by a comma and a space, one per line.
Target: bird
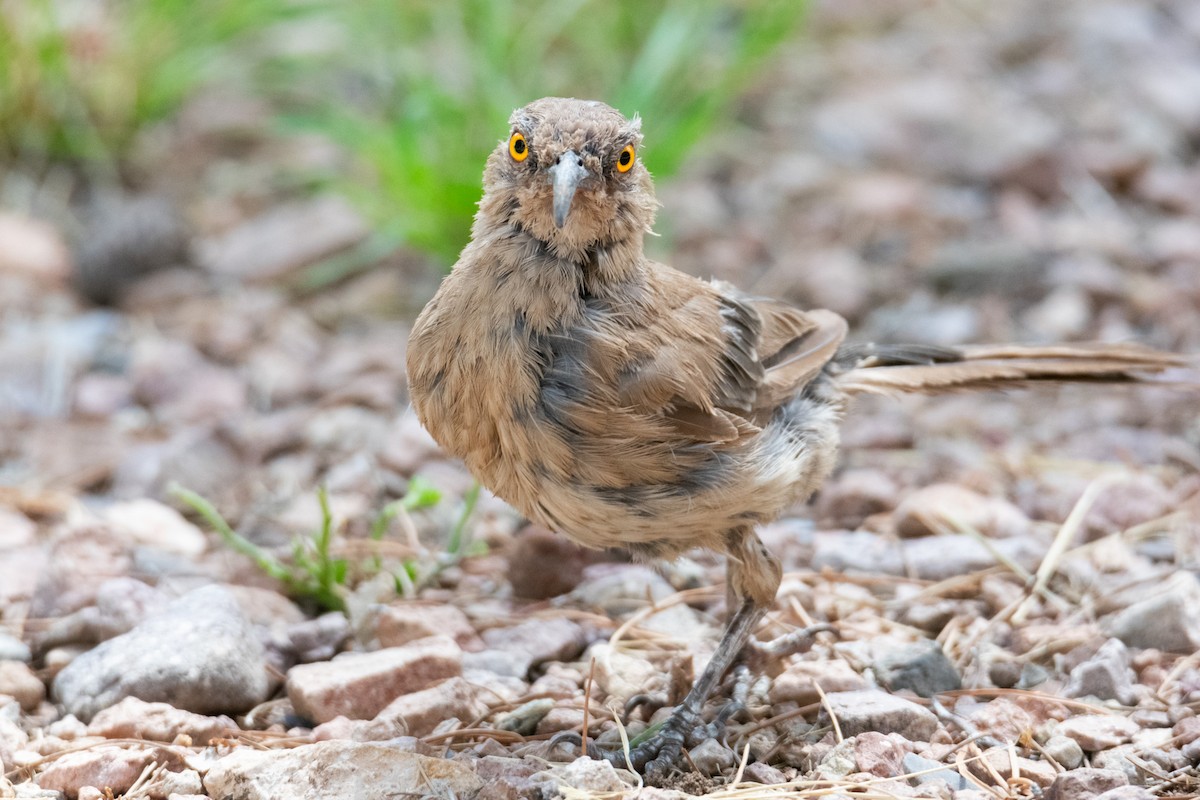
626, 404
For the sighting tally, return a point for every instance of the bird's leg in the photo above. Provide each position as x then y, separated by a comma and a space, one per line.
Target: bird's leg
685, 727
752, 577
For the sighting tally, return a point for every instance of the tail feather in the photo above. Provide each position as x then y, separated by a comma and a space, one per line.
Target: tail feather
1006, 366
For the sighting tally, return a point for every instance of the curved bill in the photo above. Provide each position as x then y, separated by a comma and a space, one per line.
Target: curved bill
565, 177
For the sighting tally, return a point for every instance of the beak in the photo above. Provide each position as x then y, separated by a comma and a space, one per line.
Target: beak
565, 177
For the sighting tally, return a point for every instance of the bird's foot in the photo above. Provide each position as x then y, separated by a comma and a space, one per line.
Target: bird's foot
657, 755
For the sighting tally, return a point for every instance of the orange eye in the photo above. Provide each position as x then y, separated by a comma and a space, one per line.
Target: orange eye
625, 160
517, 147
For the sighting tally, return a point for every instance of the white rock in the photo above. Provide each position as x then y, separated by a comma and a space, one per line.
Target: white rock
152, 524
337, 770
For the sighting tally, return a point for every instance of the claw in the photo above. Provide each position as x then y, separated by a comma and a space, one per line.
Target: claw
576, 738
728, 712
639, 700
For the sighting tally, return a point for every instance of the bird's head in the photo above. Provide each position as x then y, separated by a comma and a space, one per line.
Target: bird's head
570, 174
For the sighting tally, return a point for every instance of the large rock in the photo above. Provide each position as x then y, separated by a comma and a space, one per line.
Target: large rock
337, 770
920, 667
873, 710
284, 239
799, 682
111, 767
158, 722
617, 590
418, 713
13, 649
538, 640
951, 505
360, 685
200, 654
1000, 761
402, 622
1085, 783
1096, 732
18, 681
33, 249
1105, 676
1165, 620
623, 675
149, 523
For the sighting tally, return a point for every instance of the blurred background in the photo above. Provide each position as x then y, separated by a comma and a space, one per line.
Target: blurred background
217, 219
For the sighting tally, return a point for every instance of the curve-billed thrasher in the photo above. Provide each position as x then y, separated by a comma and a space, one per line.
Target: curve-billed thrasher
626, 404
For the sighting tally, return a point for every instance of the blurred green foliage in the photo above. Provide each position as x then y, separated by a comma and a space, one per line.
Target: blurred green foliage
79, 80
416, 91
420, 91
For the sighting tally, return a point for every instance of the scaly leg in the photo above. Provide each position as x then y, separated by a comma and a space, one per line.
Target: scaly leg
752, 577
685, 727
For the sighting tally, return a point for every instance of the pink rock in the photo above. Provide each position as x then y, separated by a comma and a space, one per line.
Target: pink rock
1187, 730
543, 564
360, 685
407, 446
100, 394
951, 504
82, 558
589, 775
1085, 783
114, 768
875, 710
1128, 793
337, 770
880, 755
150, 523
18, 681
418, 713
400, 623
340, 728
284, 239
16, 529
763, 773
34, 250
184, 782
508, 778
555, 639
1001, 761
560, 719
1098, 732
158, 722
1003, 719
856, 495
798, 683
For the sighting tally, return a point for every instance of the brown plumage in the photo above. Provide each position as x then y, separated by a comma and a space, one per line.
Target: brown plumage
624, 403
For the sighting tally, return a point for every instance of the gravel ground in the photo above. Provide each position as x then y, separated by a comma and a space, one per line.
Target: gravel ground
1007, 584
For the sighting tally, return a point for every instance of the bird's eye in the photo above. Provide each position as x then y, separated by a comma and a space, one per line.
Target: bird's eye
517, 147
625, 160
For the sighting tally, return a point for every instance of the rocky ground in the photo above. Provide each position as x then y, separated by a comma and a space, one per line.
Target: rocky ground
1009, 583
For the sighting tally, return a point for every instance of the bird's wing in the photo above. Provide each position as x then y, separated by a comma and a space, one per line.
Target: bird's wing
715, 363
796, 347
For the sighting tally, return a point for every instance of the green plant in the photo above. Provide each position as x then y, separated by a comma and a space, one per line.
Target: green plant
80, 81
317, 573
419, 91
